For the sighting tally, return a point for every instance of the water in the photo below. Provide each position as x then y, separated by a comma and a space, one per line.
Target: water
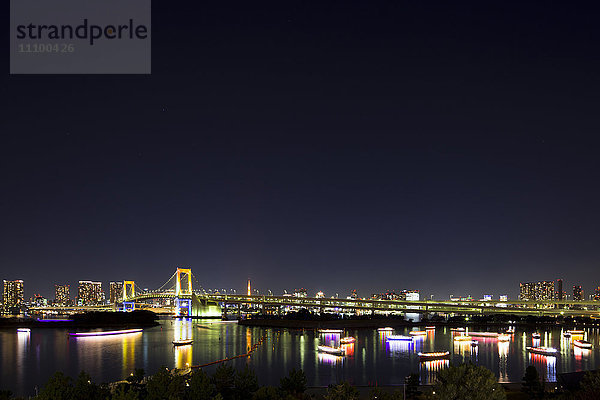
29, 359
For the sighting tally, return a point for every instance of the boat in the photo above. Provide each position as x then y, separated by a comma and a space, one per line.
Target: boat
417, 333
23, 330
582, 344
457, 329
546, 351
347, 339
330, 331
484, 334
503, 337
429, 328
434, 355
576, 332
105, 333
336, 351
510, 330
399, 337
386, 329
462, 338
182, 342
536, 335
474, 343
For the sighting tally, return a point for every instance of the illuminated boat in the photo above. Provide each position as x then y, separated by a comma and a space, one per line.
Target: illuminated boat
23, 330
104, 333
336, 351
510, 330
417, 333
347, 339
462, 338
536, 335
503, 337
330, 331
582, 344
546, 351
457, 329
182, 342
484, 334
429, 328
399, 337
474, 343
576, 332
386, 329
433, 355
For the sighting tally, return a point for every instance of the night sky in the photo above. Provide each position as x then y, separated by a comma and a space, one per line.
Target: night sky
450, 148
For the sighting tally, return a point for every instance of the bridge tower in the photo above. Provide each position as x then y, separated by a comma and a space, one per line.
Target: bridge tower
127, 294
185, 289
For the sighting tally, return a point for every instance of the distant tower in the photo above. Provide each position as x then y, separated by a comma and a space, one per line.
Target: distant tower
559, 290
249, 291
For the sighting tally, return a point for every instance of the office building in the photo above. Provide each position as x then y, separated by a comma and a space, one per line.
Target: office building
542, 290
597, 294
577, 293
90, 293
115, 292
12, 296
560, 295
61, 295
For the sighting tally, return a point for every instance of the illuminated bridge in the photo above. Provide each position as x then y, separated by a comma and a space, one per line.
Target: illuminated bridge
183, 300
182, 293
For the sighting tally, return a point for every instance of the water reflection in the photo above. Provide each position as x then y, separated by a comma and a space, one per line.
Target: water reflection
183, 356
395, 347
330, 359
546, 365
503, 361
429, 369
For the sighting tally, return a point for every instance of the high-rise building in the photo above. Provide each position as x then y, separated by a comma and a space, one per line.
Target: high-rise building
61, 295
115, 292
542, 290
560, 295
597, 294
12, 296
577, 293
90, 293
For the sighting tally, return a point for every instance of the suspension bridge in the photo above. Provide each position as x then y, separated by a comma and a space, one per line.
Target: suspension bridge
178, 297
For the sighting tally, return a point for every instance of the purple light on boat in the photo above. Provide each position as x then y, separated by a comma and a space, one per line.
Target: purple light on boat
54, 320
104, 333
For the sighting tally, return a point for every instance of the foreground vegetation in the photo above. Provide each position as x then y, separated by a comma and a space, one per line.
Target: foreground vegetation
460, 382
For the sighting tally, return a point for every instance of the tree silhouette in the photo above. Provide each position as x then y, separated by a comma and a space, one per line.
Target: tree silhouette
531, 383
58, 387
343, 391
245, 384
468, 382
294, 384
201, 387
164, 386
223, 380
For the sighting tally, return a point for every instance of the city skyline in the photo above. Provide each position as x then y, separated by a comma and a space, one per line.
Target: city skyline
109, 290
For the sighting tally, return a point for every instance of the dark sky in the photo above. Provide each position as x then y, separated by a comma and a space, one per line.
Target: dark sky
451, 148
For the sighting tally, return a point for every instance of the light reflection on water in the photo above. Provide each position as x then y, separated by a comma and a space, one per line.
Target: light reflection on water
29, 359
